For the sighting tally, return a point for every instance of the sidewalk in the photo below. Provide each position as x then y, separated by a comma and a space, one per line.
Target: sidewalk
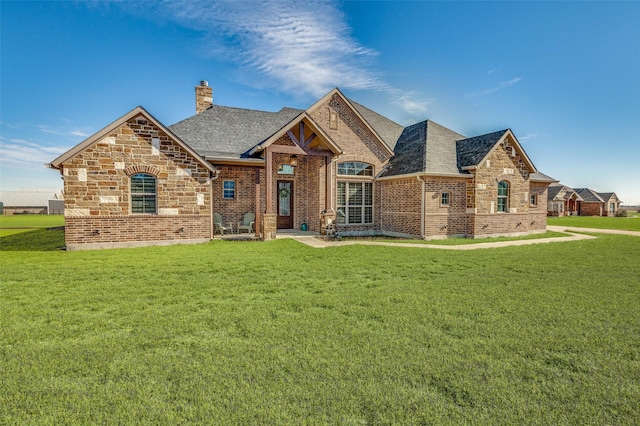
320, 242
592, 230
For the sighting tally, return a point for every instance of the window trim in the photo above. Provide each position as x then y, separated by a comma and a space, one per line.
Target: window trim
503, 197
364, 207
369, 166
224, 190
442, 199
533, 200
144, 195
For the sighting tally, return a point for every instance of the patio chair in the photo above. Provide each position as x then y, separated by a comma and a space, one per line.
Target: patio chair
247, 223
217, 222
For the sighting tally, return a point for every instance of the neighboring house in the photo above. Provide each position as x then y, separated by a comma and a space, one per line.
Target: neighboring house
31, 201
139, 182
597, 203
562, 201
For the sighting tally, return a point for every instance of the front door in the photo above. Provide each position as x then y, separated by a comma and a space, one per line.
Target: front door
285, 204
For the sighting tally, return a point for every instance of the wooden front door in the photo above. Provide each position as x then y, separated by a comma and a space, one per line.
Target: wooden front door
285, 204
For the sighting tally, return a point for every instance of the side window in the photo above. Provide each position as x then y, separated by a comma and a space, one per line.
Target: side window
444, 199
229, 189
503, 196
143, 194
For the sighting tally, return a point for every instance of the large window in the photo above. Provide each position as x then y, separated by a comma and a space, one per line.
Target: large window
355, 202
355, 168
143, 194
503, 196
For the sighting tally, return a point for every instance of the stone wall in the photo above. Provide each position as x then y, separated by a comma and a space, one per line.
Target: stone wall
97, 186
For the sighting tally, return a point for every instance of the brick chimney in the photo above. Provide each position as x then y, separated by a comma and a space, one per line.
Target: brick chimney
204, 96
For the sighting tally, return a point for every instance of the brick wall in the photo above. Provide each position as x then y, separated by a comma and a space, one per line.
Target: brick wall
442, 220
97, 185
400, 206
591, 209
93, 232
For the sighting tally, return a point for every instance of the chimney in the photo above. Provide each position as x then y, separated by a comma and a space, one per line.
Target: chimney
204, 96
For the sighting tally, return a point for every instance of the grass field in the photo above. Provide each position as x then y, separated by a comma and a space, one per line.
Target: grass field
31, 221
624, 223
281, 333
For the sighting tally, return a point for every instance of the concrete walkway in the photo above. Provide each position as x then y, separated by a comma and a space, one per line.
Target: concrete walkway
592, 230
319, 242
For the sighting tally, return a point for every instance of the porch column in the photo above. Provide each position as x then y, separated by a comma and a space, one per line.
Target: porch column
257, 208
270, 218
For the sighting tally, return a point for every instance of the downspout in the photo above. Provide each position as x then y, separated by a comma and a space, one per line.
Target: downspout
212, 176
422, 206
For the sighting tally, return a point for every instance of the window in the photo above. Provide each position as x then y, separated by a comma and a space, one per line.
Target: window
444, 199
285, 169
229, 189
355, 202
143, 193
533, 199
355, 168
503, 196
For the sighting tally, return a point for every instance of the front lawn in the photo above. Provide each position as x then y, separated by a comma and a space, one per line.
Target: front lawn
281, 333
623, 223
31, 221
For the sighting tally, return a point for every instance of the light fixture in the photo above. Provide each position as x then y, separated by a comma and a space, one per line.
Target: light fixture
293, 160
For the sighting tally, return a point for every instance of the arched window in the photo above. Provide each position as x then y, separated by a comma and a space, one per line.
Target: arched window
143, 194
355, 168
503, 196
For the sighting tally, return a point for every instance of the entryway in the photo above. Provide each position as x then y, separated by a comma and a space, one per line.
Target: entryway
285, 204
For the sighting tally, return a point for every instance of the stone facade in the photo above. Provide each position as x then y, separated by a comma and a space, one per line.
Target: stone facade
97, 189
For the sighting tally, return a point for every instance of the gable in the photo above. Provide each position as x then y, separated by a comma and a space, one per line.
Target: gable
473, 152
102, 134
341, 120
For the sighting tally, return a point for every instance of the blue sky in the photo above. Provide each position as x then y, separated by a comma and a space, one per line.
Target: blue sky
564, 76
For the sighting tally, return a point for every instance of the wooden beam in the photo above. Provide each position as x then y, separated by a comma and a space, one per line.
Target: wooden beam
293, 137
286, 149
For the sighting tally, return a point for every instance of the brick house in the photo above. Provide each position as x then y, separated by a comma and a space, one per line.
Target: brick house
562, 201
597, 203
139, 182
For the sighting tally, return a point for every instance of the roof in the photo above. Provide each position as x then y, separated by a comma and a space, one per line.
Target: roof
541, 177
221, 131
471, 151
606, 196
425, 147
38, 198
589, 195
388, 130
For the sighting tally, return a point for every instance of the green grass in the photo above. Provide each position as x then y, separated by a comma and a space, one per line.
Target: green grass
463, 241
281, 333
622, 223
31, 221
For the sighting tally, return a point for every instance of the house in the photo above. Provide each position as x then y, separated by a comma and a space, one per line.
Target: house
562, 201
31, 201
336, 163
597, 203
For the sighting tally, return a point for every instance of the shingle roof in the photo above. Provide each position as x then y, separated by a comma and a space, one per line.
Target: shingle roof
541, 177
230, 132
606, 196
425, 147
472, 150
554, 190
387, 129
589, 195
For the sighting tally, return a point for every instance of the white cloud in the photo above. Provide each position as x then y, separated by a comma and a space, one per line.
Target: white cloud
300, 48
502, 85
20, 151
